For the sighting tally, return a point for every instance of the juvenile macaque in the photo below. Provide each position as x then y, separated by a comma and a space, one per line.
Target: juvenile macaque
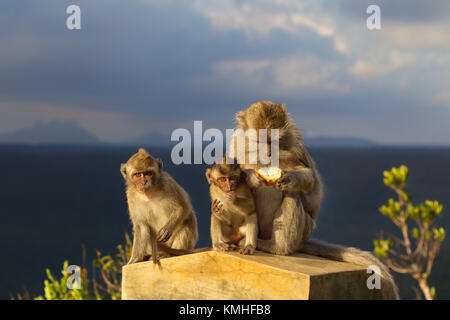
160, 210
233, 216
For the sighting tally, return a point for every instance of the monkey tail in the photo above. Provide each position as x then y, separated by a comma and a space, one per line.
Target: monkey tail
180, 252
352, 255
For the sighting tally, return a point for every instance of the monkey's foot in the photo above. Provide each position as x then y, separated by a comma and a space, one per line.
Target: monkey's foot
248, 249
221, 246
150, 257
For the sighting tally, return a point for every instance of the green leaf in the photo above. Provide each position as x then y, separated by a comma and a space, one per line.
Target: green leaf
382, 247
439, 234
396, 178
433, 292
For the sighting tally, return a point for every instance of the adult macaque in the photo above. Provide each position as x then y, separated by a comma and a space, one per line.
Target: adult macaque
286, 209
233, 218
160, 210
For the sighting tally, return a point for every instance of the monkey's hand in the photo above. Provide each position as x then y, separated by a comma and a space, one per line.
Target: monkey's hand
217, 207
298, 180
165, 233
221, 246
287, 182
219, 212
253, 179
248, 249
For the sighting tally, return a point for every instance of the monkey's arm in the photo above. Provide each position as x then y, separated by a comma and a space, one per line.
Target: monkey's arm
299, 179
251, 235
141, 239
217, 235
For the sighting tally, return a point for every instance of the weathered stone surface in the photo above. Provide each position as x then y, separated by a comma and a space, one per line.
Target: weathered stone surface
217, 275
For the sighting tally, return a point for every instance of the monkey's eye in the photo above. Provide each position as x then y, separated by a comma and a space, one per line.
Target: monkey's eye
138, 175
148, 173
222, 179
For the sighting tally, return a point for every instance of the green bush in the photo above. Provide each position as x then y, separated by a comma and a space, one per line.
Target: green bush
105, 282
416, 250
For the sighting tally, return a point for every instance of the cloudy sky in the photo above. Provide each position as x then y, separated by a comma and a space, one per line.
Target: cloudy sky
156, 65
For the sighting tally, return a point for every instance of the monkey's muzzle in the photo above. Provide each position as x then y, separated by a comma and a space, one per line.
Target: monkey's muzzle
143, 184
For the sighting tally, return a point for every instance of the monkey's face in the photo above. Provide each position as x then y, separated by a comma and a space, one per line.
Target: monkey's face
141, 171
267, 116
225, 176
142, 180
259, 151
227, 183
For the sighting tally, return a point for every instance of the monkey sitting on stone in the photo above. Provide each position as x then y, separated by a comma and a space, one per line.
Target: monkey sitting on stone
233, 218
159, 208
287, 208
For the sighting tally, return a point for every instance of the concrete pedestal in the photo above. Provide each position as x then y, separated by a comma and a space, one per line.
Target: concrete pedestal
231, 276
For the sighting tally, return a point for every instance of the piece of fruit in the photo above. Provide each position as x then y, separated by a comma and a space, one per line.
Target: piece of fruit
270, 174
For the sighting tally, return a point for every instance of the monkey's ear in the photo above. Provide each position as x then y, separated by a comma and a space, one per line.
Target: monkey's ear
208, 175
123, 170
160, 164
240, 116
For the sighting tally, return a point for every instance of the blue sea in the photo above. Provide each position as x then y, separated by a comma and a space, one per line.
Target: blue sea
53, 199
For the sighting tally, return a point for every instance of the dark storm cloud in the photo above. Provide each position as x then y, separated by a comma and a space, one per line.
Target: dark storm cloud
124, 57
133, 57
158, 60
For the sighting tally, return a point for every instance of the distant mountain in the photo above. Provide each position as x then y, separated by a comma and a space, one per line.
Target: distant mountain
338, 142
53, 132
159, 140
153, 139
70, 132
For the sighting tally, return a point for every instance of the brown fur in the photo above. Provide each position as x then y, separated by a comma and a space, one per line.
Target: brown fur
287, 211
233, 216
162, 214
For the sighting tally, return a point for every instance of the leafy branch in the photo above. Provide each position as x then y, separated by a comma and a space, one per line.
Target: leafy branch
415, 252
